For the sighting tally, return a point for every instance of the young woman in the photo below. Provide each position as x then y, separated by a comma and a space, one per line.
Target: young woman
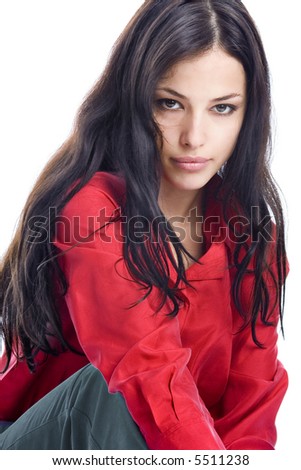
149, 266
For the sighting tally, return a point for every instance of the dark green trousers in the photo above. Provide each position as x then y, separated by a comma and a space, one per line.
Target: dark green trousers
78, 414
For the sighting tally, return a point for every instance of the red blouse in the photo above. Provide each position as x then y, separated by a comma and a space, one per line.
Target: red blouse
190, 382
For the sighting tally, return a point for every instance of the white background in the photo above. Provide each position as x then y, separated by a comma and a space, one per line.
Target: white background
52, 52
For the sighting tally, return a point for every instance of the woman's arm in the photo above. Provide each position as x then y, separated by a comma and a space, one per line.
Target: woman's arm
257, 382
20, 389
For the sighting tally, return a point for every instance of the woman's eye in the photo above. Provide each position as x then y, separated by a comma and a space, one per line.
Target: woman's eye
167, 103
224, 108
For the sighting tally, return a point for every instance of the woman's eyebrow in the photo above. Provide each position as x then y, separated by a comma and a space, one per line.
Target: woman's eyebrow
173, 92
227, 97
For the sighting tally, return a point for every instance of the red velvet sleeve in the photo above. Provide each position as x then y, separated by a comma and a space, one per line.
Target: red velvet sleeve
139, 352
257, 382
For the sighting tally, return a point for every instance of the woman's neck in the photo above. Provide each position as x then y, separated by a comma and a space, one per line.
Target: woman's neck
178, 203
183, 210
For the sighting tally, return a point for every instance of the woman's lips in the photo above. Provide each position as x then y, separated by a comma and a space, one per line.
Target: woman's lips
189, 163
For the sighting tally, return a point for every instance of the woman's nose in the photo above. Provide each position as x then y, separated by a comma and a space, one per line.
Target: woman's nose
193, 132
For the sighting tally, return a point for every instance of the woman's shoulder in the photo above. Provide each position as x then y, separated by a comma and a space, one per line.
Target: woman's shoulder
111, 184
103, 191
92, 208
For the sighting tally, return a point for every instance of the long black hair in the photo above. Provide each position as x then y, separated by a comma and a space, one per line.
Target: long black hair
115, 132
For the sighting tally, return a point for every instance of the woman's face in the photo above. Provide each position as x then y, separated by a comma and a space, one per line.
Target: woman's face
199, 107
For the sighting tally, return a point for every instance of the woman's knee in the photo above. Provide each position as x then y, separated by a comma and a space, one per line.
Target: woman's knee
111, 425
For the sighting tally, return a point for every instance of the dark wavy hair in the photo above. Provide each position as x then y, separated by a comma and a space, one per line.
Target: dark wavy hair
115, 132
